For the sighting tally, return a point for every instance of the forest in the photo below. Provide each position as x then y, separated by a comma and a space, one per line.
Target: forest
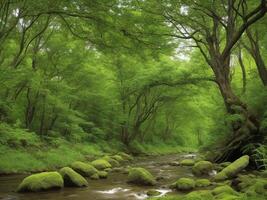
136, 99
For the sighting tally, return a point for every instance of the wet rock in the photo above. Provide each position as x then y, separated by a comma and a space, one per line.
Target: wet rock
185, 184
141, 176
202, 167
72, 178
153, 193
174, 163
159, 178
41, 181
187, 162
84, 169
233, 169
101, 164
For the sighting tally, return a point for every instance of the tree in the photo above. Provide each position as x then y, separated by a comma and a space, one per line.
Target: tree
214, 28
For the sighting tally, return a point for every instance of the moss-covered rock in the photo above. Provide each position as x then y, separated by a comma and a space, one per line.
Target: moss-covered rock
107, 169
103, 174
233, 169
185, 184
125, 156
41, 181
118, 158
152, 193
187, 162
223, 189
199, 195
203, 183
113, 162
101, 164
202, 167
84, 169
95, 176
141, 176
72, 178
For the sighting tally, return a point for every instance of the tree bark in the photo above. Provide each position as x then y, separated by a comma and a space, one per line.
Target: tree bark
244, 130
254, 50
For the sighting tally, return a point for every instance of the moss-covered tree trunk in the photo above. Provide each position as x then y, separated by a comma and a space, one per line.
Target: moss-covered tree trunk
244, 125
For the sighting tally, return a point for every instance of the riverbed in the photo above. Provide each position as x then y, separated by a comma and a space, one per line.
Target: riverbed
164, 168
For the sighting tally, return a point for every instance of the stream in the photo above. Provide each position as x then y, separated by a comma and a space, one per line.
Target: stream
114, 187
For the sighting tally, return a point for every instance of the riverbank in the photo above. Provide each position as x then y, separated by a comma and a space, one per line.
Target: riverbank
44, 156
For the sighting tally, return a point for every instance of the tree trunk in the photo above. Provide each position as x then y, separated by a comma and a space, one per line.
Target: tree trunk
244, 125
256, 54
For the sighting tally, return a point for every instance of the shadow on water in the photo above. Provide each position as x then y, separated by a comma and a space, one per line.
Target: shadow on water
114, 187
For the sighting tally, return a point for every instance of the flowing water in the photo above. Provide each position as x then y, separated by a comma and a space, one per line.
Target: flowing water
114, 187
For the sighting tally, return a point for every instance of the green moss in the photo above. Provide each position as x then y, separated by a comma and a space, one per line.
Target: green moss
258, 188
118, 158
72, 178
125, 156
153, 193
199, 195
226, 196
84, 169
141, 176
113, 162
102, 174
202, 182
107, 169
185, 184
202, 167
233, 169
95, 176
187, 162
223, 189
101, 164
41, 181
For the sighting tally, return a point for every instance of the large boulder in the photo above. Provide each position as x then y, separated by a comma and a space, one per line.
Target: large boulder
125, 156
233, 169
84, 169
202, 167
187, 162
185, 184
141, 176
72, 178
41, 181
113, 162
101, 164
